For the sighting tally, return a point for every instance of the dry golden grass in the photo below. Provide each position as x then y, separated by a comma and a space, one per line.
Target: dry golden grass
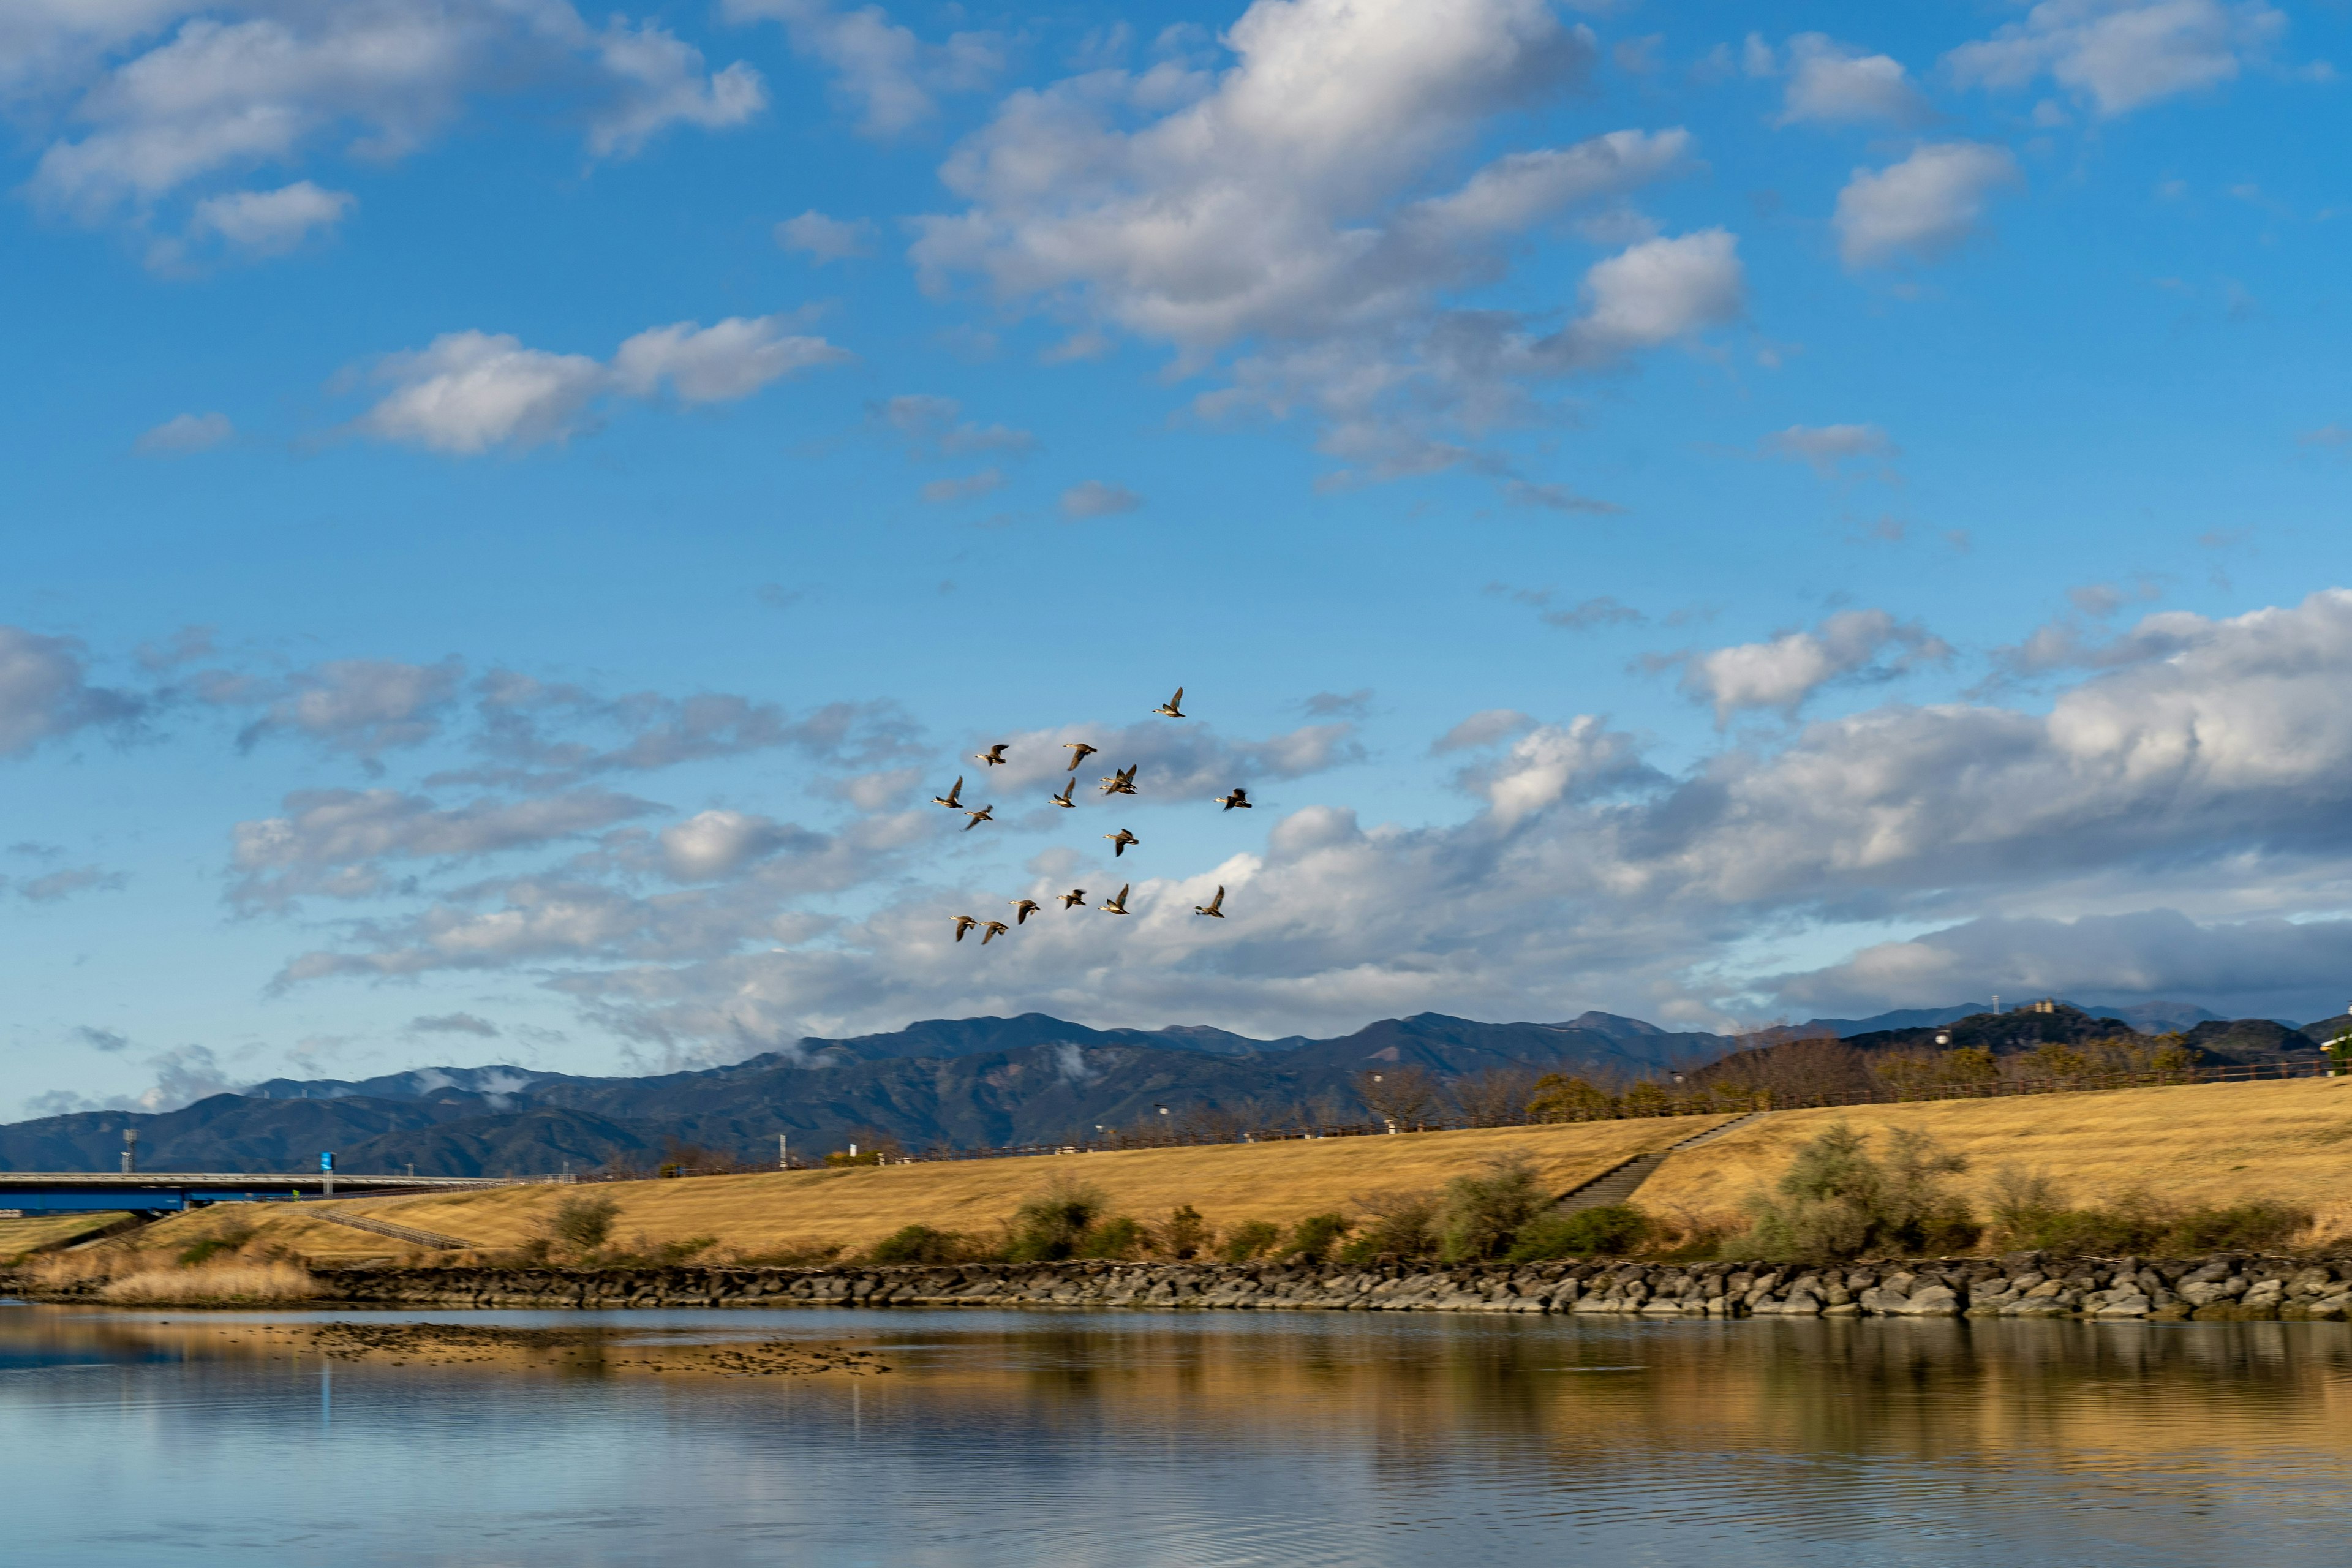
228, 1284
19, 1237
1229, 1184
2190, 1144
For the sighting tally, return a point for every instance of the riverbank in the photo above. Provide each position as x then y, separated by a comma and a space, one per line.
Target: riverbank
2228, 1287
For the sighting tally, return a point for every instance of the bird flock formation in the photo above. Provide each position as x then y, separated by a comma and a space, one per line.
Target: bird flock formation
1120, 780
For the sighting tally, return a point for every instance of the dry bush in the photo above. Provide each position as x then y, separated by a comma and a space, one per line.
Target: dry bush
1496, 1098
232, 1283
1406, 1095
2330, 1229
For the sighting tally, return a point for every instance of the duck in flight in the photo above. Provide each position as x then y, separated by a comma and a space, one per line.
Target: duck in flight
1075, 898
1119, 841
1116, 906
994, 755
991, 930
1175, 707
953, 799
1021, 909
1213, 907
1064, 799
985, 814
1240, 797
1122, 782
1079, 752
963, 924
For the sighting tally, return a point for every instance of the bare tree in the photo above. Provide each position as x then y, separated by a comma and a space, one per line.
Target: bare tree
1405, 1095
1496, 1098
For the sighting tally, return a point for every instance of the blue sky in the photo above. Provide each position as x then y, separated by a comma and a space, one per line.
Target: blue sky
1717, 513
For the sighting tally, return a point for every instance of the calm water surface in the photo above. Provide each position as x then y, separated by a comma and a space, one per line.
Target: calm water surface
163, 1439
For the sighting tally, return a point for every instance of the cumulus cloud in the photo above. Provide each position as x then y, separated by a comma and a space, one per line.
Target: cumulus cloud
714, 844
164, 94
1781, 674
45, 692
1095, 498
2217, 782
362, 706
823, 239
270, 223
186, 433
1835, 84
1284, 222
2068, 643
1922, 208
1825, 447
468, 392
334, 843
935, 427
1482, 730
893, 78
2120, 55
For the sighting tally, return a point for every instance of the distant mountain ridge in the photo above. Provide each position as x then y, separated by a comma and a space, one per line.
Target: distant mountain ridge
963, 1082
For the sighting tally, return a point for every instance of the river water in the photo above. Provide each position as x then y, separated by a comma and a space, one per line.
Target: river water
161, 1439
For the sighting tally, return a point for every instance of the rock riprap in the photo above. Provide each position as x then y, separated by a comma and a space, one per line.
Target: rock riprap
2017, 1285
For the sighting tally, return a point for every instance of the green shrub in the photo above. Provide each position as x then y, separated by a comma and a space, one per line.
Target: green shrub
1403, 1225
1244, 1242
1049, 1226
1483, 1213
917, 1244
1558, 1098
1118, 1237
1312, 1238
1611, 1231
2030, 1211
1836, 1200
2251, 1226
583, 1224
1185, 1235
211, 1246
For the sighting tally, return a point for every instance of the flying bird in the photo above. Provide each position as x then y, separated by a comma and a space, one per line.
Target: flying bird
1175, 707
953, 799
1116, 906
1122, 782
1239, 797
1213, 907
963, 924
1064, 799
1073, 898
1079, 752
1119, 841
985, 814
1021, 909
991, 930
994, 755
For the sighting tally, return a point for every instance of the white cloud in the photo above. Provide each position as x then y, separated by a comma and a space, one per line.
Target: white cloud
468, 392
1834, 83
1284, 224
45, 694
716, 844
1827, 446
186, 433
893, 77
935, 427
1094, 498
362, 706
2216, 781
172, 93
1655, 293
1482, 730
1781, 674
717, 364
823, 239
1923, 208
660, 82
964, 487
270, 223
65, 882
2120, 55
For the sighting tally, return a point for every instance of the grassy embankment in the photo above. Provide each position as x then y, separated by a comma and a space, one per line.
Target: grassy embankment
1231, 1185
35, 1232
2214, 1143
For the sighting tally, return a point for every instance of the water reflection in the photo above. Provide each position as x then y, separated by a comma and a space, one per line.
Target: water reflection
1181, 1439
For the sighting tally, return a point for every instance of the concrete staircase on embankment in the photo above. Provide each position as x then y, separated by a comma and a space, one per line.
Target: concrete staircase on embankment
1618, 1183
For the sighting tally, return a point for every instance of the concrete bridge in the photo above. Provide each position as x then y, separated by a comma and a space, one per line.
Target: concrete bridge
65, 1192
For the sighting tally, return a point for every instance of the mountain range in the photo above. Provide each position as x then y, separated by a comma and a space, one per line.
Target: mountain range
966, 1083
